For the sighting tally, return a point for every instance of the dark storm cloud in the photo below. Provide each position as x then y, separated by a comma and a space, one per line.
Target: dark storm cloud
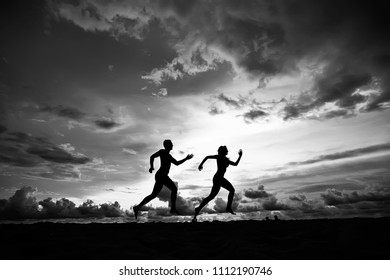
258, 193
71, 113
338, 113
57, 155
295, 110
40, 157
339, 87
345, 44
24, 138
247, 39
240, 36
16, 157
334, 197
286, 31
351, 100
64, 111
319, 29
107, 123
52, 61
262, 200
23, 204
254, 114
346, 154
222, 100
232, 102
355, 36
13, 149
336, 87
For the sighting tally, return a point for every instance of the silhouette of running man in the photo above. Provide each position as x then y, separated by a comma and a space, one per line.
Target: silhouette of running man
162, 177
219, 180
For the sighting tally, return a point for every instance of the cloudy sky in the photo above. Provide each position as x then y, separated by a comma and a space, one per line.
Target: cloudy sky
90, 89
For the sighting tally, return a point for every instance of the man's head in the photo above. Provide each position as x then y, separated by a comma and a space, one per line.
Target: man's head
168, 144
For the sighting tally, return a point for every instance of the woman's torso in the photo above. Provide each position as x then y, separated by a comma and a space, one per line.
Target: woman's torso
222, 164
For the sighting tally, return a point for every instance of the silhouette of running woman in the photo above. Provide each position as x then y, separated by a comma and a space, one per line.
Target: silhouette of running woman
219, 180
162, 177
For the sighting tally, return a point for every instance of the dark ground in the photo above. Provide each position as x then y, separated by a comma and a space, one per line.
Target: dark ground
304, 239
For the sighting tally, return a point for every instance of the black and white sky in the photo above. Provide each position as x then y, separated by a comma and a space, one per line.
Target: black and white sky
90, 89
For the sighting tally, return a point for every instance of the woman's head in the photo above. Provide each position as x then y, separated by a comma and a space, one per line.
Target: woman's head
222, 150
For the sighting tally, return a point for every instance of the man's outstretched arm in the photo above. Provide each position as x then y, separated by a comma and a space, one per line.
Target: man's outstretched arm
175, 162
